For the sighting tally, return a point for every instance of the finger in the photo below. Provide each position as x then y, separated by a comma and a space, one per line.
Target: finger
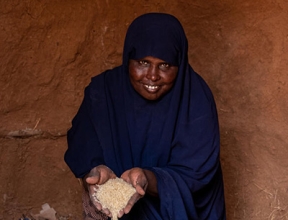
98, 206
121, 213
95, 202
125, 177
128, 208
94, 172
105, 174
92, 180
131, 203
140, 190
93, 198
106, 212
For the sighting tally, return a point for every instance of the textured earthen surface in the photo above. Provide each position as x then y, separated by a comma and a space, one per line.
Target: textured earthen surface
49, 50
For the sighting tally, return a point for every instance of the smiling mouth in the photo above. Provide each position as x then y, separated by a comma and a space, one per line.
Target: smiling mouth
151, 88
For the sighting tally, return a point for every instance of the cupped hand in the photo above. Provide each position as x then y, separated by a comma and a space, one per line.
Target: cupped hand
98, 176
137, 178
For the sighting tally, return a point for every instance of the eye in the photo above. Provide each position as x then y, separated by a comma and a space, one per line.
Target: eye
143, 62
164, 66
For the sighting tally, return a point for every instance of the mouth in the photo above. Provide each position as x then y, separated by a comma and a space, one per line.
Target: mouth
151, 88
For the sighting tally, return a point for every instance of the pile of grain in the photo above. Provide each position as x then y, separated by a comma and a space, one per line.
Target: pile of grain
114, 195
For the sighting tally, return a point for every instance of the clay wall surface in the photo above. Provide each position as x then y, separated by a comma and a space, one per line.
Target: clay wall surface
50, 49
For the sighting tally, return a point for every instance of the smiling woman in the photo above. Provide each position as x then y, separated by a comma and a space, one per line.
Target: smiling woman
152, 77
152, 122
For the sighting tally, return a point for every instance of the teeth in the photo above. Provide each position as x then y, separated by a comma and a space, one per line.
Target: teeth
151, 87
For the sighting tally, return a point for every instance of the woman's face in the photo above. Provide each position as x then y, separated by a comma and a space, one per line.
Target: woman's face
152, 77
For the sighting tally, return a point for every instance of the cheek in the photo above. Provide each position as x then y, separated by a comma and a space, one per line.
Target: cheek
170, 78
135, 74
174, 75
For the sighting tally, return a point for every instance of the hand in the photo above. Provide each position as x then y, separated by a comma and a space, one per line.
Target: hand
137, 178
98, 175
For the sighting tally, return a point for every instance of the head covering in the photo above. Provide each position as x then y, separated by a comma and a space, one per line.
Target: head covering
176, 136
150, 36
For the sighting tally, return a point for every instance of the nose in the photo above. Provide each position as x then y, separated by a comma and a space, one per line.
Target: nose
153, 73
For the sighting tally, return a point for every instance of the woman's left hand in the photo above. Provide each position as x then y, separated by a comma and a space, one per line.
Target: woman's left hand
137, 178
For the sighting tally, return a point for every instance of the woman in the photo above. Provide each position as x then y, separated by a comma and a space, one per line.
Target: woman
153, 122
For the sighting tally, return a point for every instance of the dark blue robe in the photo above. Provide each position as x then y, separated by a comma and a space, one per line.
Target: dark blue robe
176, 136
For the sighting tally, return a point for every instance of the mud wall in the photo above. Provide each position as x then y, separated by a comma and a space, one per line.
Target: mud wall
49, 50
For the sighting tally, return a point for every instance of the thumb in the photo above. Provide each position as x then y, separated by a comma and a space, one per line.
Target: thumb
92, 180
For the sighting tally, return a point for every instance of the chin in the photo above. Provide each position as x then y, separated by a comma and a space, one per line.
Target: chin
151, 97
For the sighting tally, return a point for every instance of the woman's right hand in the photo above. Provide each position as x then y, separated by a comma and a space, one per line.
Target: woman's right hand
98, 175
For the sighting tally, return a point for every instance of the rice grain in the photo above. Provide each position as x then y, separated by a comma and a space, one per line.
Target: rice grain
114, 195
